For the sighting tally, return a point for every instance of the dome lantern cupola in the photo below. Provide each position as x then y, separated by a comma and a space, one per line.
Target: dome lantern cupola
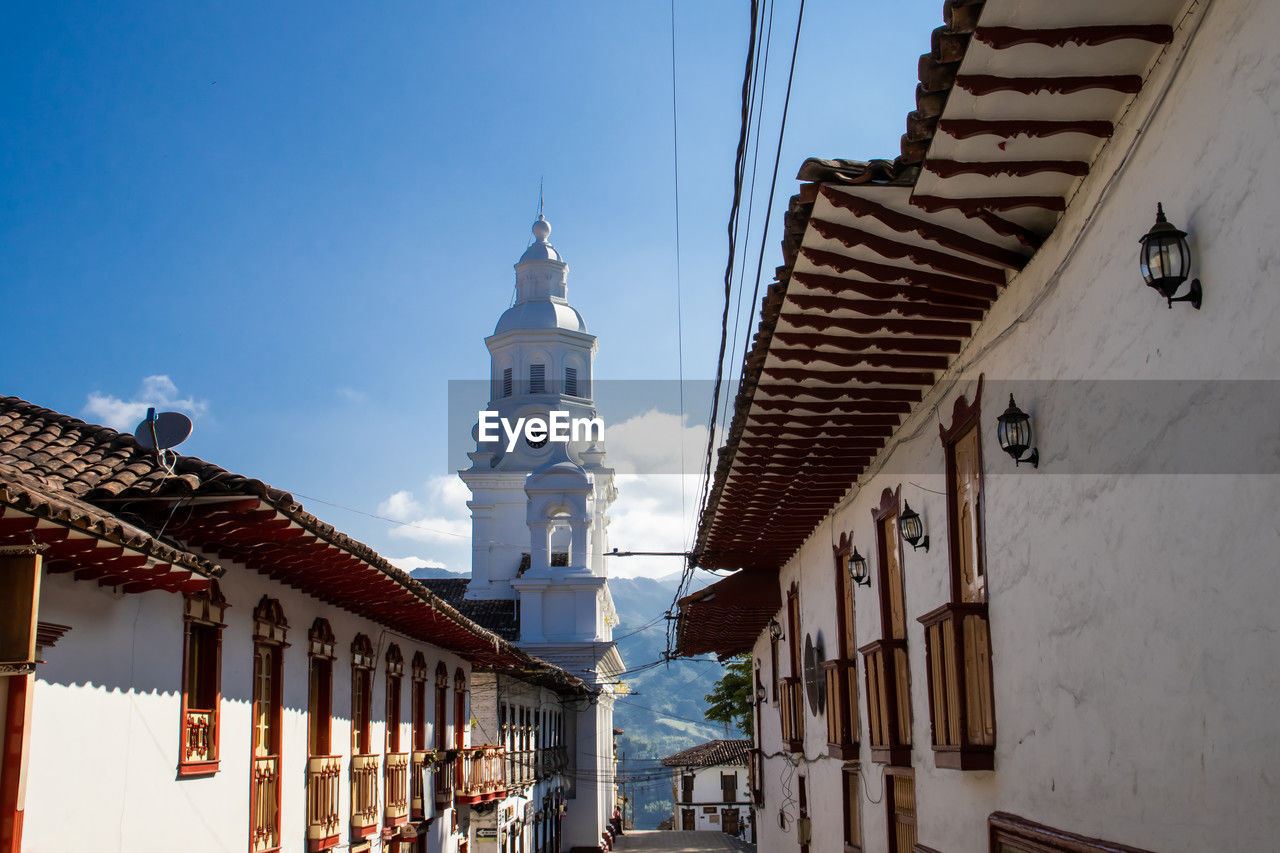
541, 288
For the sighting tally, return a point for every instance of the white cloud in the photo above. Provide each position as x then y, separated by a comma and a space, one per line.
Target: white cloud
659, 458
408, 564
656, 442
156, 391
351, 395
439, 516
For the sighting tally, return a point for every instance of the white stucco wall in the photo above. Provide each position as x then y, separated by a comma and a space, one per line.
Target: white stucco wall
709, 793
105, 720
1133, 616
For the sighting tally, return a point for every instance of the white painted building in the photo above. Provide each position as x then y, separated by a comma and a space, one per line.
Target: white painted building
711, 788
1083, 657
540, 517
216, 669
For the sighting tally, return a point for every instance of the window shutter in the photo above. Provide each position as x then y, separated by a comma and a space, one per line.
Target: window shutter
506, 382
571, 381
537, 379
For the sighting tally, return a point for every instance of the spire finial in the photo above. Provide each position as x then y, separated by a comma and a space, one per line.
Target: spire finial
539, 196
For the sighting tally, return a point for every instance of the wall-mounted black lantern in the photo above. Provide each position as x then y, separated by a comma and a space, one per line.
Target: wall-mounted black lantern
775, 629
1165, 259
912, 528
1014, 430
760, 694
858, 569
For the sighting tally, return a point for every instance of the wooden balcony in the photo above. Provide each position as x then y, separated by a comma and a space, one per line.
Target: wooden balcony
888, 681
199, 743
445, 775
792, 709
364, 795
843, 729
264, 804
479, 775
396, 796
961, 707
323, 774
422, 804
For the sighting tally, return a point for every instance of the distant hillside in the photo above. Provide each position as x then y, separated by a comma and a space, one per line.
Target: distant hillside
663, 714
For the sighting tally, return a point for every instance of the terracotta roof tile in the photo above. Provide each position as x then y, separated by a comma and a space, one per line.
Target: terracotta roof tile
711, 754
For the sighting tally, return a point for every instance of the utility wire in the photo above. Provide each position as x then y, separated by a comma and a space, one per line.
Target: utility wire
773, 185
675, 149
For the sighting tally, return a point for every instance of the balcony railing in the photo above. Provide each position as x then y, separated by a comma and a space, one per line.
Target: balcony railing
199, 746
961, 709
842, 708
364, 795
792, 707
323, 774
480, 774
888, 701
445, 775
264, 804
397, 788
555, 760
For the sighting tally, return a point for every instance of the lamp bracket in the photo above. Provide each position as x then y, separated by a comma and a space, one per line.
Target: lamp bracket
1194, 295
1033, 458
923, 543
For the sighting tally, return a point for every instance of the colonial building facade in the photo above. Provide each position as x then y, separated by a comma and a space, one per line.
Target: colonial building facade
711, 788
192, 660
954, 650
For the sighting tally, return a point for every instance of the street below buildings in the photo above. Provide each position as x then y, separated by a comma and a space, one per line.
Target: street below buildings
644, 841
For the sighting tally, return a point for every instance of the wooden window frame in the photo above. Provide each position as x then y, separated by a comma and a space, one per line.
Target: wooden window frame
840, 673
891, 804
1027, 836
957, 634
202, 611
791, 709
775, 674
851, 797
441, 708
460, 718
393, 714
418, 702
889, 717
270, 629
363, 668
321, 651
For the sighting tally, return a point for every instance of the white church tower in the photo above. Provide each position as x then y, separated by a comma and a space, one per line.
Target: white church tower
539, 513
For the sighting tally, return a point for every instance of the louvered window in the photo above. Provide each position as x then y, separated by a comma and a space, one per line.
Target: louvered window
537, 379
506, 382
571, 381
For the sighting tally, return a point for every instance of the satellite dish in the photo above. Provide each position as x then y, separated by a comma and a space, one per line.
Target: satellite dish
815, 683
162, 431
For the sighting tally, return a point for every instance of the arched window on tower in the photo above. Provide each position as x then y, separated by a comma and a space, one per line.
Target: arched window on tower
537, 379
571, 381
506, 381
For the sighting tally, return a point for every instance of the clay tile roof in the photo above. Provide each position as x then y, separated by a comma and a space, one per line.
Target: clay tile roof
711, 754
104, 483
498, 615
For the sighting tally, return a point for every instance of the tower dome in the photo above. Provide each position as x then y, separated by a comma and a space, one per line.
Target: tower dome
541, 288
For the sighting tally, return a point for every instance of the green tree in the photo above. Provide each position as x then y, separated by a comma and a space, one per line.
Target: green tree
731, 700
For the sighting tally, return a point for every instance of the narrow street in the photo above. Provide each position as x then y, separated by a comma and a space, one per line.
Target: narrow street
643, 841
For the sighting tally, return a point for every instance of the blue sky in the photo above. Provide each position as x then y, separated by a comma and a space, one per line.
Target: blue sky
297, 220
